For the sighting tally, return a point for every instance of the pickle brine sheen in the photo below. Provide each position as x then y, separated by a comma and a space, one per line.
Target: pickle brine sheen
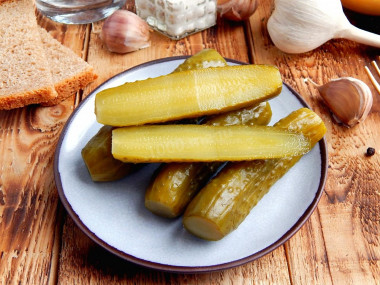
202, 143
97, 155
222, 205
187, 94
176, 183
204, 59
99, 161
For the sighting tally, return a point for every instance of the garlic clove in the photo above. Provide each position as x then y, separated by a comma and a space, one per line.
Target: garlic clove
236, 10
124, 32
349, 99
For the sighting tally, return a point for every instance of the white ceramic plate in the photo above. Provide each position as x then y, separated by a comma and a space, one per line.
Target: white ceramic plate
114, 216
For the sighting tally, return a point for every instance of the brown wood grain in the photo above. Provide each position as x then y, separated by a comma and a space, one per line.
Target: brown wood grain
81, 260
339, 244
84, 262
28, 198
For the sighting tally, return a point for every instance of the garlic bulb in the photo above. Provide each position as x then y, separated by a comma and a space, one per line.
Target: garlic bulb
236, 10
299, 26
124, 32
349, 99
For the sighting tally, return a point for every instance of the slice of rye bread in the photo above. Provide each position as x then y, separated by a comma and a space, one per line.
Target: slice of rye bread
70, 72
25, 76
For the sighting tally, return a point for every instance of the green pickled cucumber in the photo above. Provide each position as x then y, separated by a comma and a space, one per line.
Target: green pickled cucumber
221, 206
97, 155
100, 163
260, 115
201, 143
187, 94
176, 183
203, 59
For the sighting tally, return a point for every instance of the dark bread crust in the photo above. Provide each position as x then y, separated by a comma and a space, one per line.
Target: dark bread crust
25, 74
70, 72
17, 100
70, 86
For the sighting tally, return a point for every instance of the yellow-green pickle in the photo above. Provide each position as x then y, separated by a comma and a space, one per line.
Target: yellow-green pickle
177, 183
203, 59
221, 206
187, 94
202, 143
97, 155
100, 163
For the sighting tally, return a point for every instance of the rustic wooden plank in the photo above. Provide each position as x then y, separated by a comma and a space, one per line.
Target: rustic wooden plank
28, 198
82, 261
340, 243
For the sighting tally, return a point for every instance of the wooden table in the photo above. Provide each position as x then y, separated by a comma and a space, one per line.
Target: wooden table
339, 244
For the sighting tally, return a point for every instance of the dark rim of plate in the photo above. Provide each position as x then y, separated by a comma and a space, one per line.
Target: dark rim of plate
186, 269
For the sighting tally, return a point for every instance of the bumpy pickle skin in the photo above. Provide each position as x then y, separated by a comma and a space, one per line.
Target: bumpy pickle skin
257, 115
222, 205
187, 94
203, 59
99, 161
202, 143
176, 183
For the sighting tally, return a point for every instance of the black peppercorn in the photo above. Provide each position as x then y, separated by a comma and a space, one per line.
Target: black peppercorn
370, 151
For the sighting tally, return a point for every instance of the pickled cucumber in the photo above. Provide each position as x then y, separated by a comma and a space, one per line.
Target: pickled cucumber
97, 155
259, 114
100, 163
176, 183
189, 143
221, 206
187, 94
203, 59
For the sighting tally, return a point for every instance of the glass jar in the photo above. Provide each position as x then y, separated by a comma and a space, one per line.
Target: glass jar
78, 11
177, 18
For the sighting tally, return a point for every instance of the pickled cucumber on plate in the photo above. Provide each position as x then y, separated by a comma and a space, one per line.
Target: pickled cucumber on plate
203, 59
99, 161
176, 183
221, 206
97, 155
202, 143
187, 94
